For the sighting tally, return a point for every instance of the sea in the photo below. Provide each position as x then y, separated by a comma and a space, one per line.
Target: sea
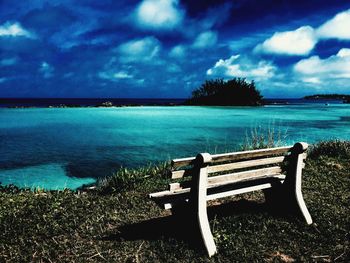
45, 145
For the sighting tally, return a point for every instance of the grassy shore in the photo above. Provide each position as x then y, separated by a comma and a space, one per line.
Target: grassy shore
117, 223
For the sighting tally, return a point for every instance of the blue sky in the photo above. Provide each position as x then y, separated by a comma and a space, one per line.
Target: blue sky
167, 48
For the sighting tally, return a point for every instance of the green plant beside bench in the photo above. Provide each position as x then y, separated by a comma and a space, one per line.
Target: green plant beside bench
222, 175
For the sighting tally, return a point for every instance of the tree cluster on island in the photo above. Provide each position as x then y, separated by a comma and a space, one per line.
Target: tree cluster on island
219, 92
345, 98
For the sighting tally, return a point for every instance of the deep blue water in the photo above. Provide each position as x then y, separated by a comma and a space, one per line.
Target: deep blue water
67, 147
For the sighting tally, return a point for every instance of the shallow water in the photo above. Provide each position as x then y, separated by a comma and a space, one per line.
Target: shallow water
54, 148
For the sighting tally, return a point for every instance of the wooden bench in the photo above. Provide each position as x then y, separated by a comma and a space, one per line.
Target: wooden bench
222, 175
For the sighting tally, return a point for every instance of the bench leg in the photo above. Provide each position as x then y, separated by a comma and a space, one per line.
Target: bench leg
293, 180
202, 215
199, 201
298, 193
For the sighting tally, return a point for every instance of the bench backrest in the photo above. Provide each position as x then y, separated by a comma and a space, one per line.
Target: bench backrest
235, 167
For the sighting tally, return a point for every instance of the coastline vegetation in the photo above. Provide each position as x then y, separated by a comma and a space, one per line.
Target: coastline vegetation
117, 223
219, 92
343, 97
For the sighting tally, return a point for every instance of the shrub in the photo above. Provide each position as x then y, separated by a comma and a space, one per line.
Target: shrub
129, 179
219, 92
334, 148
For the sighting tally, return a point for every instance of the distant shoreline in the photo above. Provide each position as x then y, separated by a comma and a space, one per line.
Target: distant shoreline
85, 102
342, 97
23, 103
90, 106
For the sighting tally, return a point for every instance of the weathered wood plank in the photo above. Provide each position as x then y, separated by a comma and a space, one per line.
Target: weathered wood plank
243, 176
180, 173
174, 186
245, 164
159, 194
200, 205
234, 156
238, 191
295, 181
167, 199
175, 163
231, 166
170, 193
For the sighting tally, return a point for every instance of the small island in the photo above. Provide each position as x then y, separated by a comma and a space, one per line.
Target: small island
342, 97
219, 92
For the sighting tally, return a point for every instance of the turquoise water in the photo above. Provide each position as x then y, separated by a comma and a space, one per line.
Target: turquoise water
54, 148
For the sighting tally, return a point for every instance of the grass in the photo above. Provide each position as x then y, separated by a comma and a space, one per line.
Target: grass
117, 223
263, 137
135, 179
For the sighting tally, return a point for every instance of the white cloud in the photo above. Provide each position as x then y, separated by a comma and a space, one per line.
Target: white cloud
337, 27
334, 67
159, 14
178, 51
235, 66
312, 80
298, 42
47, 70
115, 76
344, 52
302, 40
14, 30
119, 76
205, 39
144, 49
122, 75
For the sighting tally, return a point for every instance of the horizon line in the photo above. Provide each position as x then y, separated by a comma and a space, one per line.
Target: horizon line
144, 98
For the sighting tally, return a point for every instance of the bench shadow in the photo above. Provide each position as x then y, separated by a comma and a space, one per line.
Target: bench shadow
180, 225
176, 227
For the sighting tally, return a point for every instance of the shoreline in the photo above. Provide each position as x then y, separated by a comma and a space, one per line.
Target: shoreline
108, 105
89, 106
23, 103
86, 103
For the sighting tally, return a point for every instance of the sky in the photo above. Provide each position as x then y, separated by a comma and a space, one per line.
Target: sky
167, 48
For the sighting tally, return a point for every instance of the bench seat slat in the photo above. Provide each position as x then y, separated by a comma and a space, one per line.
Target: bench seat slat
169, 193
234, 156
169, 205
239, 191
167, 199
